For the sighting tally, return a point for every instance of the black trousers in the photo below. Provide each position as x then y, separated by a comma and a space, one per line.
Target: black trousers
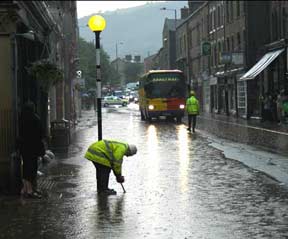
30, 167
102, 176
190, 119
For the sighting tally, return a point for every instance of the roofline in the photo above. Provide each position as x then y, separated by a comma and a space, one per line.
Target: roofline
191, 15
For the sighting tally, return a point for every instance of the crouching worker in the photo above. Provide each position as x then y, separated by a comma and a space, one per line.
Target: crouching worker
107, 155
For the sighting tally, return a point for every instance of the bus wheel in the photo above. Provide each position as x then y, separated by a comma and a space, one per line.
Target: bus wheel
142, 115
147, 117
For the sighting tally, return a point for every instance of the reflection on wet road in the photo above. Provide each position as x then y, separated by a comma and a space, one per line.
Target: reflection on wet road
177, 187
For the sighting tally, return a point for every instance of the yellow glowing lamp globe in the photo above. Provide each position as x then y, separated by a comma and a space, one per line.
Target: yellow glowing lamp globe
97, 23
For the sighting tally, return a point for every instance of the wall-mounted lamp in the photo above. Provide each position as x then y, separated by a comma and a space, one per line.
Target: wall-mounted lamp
30, 35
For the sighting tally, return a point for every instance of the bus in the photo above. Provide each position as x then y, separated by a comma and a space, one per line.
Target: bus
162, 93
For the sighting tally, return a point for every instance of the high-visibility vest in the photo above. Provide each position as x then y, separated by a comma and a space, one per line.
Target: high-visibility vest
108, 153
192, 105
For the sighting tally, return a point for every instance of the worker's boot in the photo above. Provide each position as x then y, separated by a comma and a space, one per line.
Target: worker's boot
108, 192
111, 191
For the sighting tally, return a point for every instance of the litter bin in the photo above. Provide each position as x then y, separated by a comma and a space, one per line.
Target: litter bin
60, 134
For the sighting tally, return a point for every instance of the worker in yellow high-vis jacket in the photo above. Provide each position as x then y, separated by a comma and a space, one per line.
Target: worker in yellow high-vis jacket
107, 155
192, 108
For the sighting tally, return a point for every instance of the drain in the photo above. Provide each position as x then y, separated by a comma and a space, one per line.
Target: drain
45, 184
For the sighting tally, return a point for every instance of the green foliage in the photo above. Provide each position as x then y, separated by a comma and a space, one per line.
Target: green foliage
132, 71
46, 73
88, 65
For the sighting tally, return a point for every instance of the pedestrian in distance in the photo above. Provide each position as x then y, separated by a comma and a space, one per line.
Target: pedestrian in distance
285, 106
31, 147
279, 107
192, 108
267, 109
107, 155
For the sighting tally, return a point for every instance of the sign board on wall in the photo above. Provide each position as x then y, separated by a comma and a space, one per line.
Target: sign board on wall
206, 48
235, 58
226, 57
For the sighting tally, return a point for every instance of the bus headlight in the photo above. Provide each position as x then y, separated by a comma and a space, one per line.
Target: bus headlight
151, 107
181, 106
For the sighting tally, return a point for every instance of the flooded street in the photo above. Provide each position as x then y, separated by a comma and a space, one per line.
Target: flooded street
177, 187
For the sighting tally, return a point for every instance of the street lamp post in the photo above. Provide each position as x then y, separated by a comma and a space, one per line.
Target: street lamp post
97, 24
175, 14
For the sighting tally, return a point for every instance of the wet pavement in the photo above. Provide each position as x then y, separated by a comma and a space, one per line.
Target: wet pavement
269, 136
178, 186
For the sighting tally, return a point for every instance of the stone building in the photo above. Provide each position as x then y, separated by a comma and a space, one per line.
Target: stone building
221, 27
31, 31
232, 52
268, 71
165, 58
168, 42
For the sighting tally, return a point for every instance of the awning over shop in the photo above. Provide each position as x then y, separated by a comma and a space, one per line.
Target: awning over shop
261, 64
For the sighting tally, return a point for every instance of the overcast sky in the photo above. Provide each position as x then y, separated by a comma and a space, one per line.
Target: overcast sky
85, 8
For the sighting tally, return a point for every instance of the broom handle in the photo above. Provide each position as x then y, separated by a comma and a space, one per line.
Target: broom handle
123, 188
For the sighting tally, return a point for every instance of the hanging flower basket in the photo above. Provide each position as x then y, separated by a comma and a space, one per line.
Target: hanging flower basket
46, 73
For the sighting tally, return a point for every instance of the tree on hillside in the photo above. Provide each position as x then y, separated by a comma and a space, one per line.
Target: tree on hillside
88, 65
132, 71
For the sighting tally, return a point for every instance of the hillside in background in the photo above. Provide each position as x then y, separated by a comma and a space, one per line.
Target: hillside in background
139, 28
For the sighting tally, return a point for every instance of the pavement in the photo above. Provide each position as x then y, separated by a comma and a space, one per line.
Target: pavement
268, 136
262, 146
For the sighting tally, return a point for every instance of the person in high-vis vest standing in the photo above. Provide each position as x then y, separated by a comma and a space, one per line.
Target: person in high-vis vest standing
107, 155
192, 108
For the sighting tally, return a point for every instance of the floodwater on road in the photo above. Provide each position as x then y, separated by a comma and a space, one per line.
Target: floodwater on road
177, 187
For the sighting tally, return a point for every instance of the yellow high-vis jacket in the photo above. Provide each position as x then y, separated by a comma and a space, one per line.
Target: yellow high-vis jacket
109, 153
192, 105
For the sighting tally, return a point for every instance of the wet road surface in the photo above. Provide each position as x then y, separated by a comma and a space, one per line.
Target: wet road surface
177, 187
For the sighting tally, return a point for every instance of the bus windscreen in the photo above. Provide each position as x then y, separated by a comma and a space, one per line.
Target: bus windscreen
165, 86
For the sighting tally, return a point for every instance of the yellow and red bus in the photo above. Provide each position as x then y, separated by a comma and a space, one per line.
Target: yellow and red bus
162, 93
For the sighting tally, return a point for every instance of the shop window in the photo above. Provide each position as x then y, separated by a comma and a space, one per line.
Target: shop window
227, 11
284, 19
232, 98
238, 8
239, 40
241, 97
185, 47
231, 11
215, 54
228, 44
218, 16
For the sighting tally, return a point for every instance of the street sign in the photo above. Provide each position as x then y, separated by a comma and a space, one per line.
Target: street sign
226, 57
237, 58
206, 48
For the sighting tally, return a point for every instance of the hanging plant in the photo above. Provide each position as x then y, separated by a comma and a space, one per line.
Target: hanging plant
46, 73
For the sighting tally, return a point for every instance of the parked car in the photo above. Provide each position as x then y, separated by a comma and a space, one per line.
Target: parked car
113, 100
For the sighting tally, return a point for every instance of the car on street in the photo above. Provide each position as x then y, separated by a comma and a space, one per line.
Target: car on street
113, 100
133, 97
